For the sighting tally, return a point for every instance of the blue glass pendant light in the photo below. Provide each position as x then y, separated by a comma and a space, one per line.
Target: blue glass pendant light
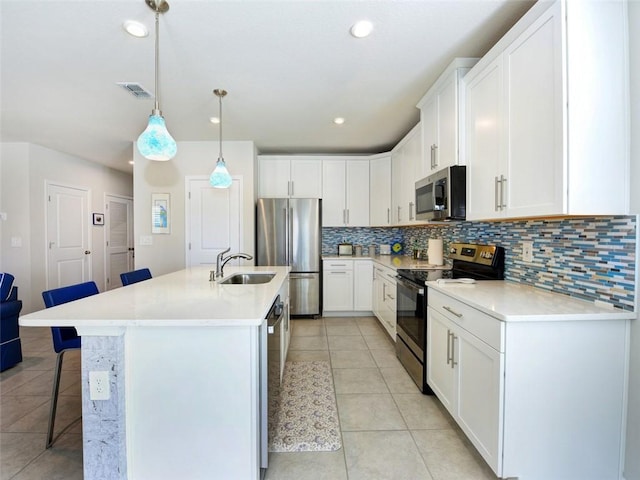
220, 177
156, 143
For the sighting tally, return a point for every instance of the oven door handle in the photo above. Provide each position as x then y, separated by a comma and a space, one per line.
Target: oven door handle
409, 285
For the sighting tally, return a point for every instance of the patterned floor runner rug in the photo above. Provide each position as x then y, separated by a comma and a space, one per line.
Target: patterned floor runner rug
304, 416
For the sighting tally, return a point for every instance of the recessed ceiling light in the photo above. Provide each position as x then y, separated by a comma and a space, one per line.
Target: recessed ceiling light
136, 29
215, 120
361, 29
338, 120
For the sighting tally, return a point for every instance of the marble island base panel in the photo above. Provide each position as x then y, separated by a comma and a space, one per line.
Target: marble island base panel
103, 421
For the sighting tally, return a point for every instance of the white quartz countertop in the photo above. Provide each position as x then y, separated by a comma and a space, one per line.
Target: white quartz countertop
392, 261
511, 301
184, 298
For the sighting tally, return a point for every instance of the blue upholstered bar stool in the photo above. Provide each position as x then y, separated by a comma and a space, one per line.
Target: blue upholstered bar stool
135, 276
64, 338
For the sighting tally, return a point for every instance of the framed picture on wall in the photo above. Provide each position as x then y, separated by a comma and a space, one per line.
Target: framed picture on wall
160, 213
98, 218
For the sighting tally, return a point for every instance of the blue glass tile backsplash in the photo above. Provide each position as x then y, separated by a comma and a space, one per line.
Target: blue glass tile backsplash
588, 258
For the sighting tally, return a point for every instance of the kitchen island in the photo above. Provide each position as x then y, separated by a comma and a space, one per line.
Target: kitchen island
183, 361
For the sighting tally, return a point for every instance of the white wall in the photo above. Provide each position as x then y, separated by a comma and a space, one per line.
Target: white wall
632, 459
15, 203
25, 168
167, 254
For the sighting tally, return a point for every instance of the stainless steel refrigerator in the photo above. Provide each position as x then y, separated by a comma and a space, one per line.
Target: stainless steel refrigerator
288, 232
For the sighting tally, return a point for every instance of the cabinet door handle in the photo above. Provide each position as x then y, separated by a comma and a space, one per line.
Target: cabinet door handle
388, 215
453, 350
398, 213
344, 216
292, 186
448, 346
503, 182
496, 193
411, 210
337, 273
451, 310
347, 216
434, 155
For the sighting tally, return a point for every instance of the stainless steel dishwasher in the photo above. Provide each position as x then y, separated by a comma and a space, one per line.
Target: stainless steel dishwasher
270, 369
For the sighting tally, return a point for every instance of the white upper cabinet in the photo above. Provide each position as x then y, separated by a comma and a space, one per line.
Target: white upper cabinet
380, 190
406, 159
546, 116
289, 176
441, 115
345, 193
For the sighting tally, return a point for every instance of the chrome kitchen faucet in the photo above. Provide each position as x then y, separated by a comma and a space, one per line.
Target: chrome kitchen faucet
221, 261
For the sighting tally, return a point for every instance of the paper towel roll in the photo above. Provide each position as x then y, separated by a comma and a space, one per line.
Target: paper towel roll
435, 251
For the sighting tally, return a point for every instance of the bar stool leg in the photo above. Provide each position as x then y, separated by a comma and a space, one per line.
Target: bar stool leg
54, 399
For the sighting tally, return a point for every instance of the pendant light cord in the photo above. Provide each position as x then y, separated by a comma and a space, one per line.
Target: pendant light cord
220, 124
157, 102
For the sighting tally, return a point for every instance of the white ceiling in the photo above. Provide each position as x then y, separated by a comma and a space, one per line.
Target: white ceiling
290, 67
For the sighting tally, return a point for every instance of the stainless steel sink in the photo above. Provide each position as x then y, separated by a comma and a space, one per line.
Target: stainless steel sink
248, 278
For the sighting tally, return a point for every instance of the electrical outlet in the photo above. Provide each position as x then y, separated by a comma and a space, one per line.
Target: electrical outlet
99, 388
527, 252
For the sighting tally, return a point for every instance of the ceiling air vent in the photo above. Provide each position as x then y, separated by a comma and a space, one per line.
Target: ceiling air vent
135, 89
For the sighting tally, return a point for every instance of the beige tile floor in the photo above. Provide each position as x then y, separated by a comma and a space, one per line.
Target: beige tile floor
389, 429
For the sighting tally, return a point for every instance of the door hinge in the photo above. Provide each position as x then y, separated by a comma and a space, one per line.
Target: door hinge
108, 281
107, 243
189, 195
189, 245
49, 197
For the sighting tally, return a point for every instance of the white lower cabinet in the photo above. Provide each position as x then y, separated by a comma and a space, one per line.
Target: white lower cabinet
337, 285
362, 285
347, 285
384, 298
538, 398
464, 372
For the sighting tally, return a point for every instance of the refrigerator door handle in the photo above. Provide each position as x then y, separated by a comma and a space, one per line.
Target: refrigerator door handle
286, 236
290, 236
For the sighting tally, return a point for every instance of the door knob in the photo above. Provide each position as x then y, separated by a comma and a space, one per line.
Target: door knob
87, 252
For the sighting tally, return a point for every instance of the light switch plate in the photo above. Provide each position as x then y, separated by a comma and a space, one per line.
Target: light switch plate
146, 240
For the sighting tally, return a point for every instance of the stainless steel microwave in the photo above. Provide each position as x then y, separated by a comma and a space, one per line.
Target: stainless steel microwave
443, 195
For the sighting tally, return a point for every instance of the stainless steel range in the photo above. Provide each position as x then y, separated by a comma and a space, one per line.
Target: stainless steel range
477, 262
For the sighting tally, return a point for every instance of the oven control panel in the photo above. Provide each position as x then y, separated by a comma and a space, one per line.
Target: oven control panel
482, 254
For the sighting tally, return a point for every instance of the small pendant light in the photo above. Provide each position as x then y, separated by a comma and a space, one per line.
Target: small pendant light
220, 177
156, 143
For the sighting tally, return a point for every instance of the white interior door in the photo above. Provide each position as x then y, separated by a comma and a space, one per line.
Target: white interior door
68, 240
119, 251
214, 220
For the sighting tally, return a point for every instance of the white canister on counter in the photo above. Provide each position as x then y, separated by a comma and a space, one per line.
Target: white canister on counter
435, 251
385, 249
